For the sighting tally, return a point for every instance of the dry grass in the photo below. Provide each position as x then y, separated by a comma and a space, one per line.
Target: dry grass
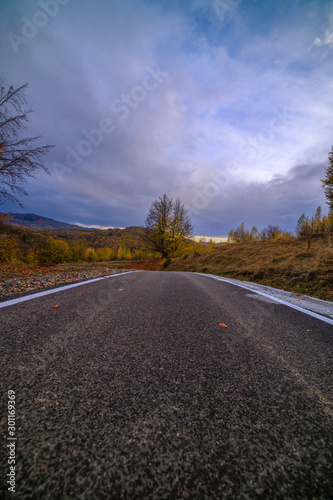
284, 264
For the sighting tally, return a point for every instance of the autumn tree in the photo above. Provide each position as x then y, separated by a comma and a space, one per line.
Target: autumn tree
271, 233
328, 181
241, 234
309, 228
317, 222
4, 223
300, 226
167, 225
19, 157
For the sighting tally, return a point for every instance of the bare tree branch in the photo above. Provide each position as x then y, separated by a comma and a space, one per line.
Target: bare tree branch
19, 159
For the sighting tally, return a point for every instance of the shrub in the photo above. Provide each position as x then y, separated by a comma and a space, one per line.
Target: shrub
78, 251
9, 250
113, 254
90, 255
53, 251
138, 254
104, 254
31, 258
166, 263
124, 253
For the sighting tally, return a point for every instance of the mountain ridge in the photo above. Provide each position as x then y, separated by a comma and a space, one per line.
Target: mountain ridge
34, 221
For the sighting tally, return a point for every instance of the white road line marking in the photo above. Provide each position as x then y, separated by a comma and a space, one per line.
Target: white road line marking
281, 301
60, 289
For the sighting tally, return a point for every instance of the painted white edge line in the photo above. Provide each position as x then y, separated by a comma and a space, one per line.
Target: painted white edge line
281, 301
60, 289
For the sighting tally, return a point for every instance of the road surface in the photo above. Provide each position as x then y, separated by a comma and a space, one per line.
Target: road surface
132, 389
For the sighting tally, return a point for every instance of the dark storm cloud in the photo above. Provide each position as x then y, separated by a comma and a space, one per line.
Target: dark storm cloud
281, 201
142, 98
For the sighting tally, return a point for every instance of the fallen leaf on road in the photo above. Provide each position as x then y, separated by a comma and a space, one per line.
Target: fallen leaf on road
326, 401
224, 326
120, 289
309, 330
55, 307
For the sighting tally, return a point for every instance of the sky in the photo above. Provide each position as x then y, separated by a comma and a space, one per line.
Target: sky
224, 104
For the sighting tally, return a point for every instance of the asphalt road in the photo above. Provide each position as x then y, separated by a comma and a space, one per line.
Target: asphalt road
131, 389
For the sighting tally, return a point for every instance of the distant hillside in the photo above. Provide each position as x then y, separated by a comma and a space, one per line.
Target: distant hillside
30, 232
47, 241
34, 221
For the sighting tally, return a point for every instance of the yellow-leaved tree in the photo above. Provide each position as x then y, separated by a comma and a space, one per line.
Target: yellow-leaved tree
167, 225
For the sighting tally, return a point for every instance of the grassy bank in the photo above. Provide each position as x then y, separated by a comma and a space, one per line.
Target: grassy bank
285, 264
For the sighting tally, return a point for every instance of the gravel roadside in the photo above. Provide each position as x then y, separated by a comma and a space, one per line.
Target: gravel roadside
17, 281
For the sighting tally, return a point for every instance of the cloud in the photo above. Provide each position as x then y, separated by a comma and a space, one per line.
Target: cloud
94, 226
243, 100
317, 42
285, 198
327, 40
